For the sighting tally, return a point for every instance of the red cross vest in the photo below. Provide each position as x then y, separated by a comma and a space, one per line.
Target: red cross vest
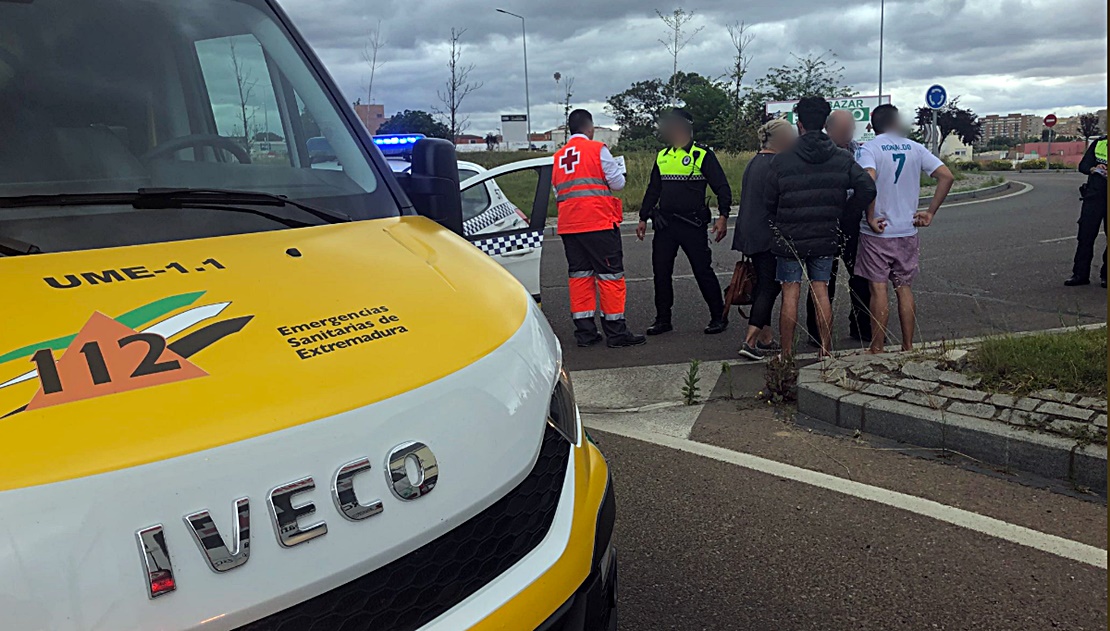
582, 194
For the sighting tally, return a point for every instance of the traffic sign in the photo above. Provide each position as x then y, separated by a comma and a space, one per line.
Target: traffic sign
1050, 120
936, 97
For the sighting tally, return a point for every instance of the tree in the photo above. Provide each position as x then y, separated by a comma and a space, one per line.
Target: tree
952, 119
708, 103
491, 141
415, 122
567, 87
1089, 125
456, 89
245, 82
309, 124
636, 109
374, 43
677, 39
741, 42
999, 143
806, 76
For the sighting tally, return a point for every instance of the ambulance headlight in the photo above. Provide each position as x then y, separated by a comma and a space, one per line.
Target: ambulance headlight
563, 412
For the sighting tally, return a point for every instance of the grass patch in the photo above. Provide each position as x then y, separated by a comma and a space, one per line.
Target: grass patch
522, 186
1072, 362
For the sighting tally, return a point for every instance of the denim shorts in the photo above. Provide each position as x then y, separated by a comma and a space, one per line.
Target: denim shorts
817, 269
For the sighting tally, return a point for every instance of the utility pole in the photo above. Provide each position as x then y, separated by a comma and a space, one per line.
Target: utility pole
882, 24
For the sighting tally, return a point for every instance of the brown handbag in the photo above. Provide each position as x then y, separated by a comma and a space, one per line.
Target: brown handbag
741, 288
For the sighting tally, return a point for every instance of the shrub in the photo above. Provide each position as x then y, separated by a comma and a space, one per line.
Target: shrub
1060, 166
1034, 165
999, 165
967, 165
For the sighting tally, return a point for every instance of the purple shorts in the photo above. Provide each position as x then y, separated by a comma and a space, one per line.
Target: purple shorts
881, 259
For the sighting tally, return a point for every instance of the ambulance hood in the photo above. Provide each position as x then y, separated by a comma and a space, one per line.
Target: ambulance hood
139, 384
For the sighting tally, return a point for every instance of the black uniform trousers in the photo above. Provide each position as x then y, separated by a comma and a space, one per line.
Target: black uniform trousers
1090, 217
693, 240
859, 290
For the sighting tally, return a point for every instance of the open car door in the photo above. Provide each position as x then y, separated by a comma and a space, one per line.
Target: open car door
517, 249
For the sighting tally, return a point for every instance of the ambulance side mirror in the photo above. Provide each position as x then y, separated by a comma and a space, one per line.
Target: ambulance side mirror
433, 183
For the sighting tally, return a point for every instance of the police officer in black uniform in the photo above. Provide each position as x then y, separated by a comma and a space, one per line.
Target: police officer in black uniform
676, 203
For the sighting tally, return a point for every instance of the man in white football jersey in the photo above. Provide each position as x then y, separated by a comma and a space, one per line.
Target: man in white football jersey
888, 247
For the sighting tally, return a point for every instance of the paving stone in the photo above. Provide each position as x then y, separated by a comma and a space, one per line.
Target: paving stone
1004, 400
1067, 411
957, 356
958, 379
916, 384
1055, 395
1100, 421
1098, 405
1070, 428
931, 401
1018, 417
1027, 404
879, 390
978, 410
975, 396
925, 371
848, 383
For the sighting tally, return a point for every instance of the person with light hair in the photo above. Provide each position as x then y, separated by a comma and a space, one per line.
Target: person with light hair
753, 237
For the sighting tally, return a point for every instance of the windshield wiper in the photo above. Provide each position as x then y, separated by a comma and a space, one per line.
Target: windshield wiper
15, 247
205, 198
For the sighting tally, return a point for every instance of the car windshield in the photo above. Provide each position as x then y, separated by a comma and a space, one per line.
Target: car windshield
104, 99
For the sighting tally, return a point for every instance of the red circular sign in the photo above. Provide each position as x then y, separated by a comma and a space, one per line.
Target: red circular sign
1050, 120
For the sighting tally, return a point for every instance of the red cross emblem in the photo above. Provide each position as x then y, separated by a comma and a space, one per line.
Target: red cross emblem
569, 160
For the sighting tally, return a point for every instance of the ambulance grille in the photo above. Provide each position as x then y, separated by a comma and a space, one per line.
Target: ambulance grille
422, 585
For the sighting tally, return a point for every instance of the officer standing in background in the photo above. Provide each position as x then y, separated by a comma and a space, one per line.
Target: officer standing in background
1092, 214
675, 202
584, 177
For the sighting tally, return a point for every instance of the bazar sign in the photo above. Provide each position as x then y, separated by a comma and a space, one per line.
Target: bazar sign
859, 106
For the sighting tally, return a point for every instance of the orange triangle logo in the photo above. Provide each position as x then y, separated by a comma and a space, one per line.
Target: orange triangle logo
105, 358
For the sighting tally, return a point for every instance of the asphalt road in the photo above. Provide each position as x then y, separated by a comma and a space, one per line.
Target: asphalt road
986, 267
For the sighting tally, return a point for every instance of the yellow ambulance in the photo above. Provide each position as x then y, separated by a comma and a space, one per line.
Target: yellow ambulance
238, 391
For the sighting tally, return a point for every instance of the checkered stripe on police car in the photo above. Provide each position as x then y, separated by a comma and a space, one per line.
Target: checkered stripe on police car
488, 218
505, 244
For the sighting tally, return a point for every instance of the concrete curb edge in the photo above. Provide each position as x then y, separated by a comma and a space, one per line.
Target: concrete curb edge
988, 441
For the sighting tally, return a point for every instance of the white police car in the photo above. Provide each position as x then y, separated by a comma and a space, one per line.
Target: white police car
491, 221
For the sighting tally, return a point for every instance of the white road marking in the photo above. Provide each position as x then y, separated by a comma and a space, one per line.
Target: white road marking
1068, 238
1028, 187
1013, 533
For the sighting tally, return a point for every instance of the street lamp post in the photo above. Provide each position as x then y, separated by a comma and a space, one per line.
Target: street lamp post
882, 24
527, 98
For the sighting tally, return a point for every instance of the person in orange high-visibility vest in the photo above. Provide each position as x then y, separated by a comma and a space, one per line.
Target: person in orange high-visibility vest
585, 176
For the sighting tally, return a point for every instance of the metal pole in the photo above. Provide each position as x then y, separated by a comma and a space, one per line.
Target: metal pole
882, 25
1048, 152
936, 136
527, 97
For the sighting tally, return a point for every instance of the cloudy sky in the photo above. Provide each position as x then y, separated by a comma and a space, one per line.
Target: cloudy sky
1030, 56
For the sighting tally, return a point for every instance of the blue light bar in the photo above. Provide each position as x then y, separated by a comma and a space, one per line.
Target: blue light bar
397, 143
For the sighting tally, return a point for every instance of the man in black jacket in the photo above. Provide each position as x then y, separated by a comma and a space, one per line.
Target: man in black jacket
807, 193
675, 201
1093, 213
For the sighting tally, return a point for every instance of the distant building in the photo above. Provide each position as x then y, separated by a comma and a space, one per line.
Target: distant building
953, 147
1070, 153
372, 116
1009, 126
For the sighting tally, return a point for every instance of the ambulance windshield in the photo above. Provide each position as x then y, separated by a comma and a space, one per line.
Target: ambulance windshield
103, 102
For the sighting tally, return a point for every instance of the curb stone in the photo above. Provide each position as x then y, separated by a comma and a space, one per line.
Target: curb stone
1011, 448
